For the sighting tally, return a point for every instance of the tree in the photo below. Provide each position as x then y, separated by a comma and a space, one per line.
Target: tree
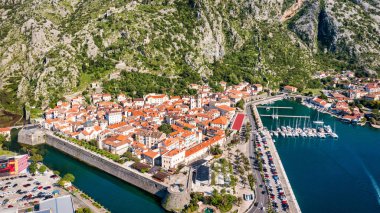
56, 172
36, 158
323, 96
42, 169
33, 168
240, 104
61, 182
93, 142
216, 150
166, 128
2, 140
229, 150
213, 178
69, 177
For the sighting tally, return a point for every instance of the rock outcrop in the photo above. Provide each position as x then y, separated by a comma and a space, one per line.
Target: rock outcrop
51, 48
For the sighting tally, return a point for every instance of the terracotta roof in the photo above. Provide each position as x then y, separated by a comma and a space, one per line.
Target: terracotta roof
170, 141
202, 145
173, 152
5, 129
151, 154
226, 108
118, 125
117, 140
221, 120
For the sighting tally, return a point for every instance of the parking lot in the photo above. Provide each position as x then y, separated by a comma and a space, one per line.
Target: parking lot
273, 185
25, 191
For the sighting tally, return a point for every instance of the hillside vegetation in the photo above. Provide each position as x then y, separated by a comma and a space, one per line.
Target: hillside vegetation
51, 48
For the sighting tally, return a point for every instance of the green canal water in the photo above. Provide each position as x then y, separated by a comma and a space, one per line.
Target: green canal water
330, 175
114, 194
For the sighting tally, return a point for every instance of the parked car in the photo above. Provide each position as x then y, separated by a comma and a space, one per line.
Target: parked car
5, 201
48, 197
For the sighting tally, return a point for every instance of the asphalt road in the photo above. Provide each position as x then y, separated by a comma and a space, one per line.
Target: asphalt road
261, 199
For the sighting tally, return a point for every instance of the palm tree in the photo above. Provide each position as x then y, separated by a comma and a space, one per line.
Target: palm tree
229, 149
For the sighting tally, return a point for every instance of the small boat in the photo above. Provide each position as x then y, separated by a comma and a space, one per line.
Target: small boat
327, 128
318, 122
321, 135
334, 135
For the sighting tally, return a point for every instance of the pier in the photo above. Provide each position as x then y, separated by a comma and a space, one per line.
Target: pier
287, 116
283, 178
274, 107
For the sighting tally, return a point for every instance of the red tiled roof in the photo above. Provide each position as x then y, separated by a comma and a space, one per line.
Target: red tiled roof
150, 154
226, 108
5, 129
202, 145
173, 152
221, 120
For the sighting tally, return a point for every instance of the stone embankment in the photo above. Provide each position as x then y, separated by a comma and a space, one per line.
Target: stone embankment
133, 177
36, 136
292, 201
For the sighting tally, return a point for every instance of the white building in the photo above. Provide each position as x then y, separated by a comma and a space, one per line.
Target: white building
155, 99
114, 117
172, 158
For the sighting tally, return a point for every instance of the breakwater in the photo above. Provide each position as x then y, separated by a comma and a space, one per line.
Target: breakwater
293, 204
330, 175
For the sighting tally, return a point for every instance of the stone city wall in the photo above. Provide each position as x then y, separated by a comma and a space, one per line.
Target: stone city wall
133, 177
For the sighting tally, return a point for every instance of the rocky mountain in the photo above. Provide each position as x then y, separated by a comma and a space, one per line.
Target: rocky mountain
49, 48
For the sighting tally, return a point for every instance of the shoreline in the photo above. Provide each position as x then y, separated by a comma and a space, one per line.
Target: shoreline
340, 118
292, 200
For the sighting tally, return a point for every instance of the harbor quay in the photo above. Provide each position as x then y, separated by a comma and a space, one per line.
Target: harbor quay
283, 179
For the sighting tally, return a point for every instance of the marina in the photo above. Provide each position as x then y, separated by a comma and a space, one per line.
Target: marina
320, 132
298, 126
329, 175
283, 192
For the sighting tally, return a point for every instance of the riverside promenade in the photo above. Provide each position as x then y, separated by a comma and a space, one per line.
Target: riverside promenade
292, 201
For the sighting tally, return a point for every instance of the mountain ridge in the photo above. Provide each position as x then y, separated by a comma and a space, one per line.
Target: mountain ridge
52, 48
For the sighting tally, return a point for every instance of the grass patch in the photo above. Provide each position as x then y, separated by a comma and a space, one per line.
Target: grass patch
314, 91
6, 152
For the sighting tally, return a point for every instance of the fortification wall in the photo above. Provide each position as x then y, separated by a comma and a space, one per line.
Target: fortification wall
133, 177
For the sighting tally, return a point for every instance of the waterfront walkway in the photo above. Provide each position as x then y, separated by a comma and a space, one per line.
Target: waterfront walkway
292, 201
